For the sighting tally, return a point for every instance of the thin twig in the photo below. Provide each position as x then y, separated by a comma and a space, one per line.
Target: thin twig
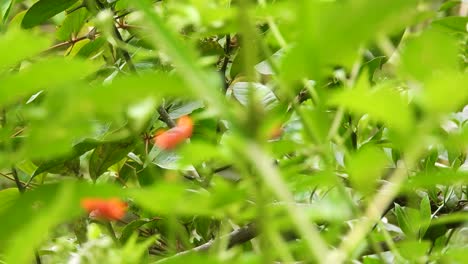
227, 51
18, 182
21, 189
164, 116
13, 179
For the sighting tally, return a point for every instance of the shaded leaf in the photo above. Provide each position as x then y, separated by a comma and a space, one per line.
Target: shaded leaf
72, 24
43, 10
108, 154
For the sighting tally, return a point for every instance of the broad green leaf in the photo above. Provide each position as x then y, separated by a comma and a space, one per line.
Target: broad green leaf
45, 74
132, 228
433, 178
425, 211
77, 150
43, 10
428, 54
175, 199
7, 197
72, 24
17, 45
445, 92
264, 95
170, 160
414, 251
127, 90
449, 4
20, 248
181, 108
365, 167
204, 152
453, 24
332, 33
91, 48
404, 221
383, 103
108, 154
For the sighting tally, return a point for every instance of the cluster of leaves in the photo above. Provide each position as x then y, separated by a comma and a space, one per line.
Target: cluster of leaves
324, 131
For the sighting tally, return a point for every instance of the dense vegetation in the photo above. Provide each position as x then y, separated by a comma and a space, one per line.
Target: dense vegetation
233, 131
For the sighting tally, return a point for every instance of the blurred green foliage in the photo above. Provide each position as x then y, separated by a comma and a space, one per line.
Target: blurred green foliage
324, 131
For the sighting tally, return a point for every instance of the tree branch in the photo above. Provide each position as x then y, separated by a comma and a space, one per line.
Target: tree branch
236, 237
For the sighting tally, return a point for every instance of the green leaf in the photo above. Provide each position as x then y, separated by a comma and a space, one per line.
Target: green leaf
366, 167
433, 178
181, 108
445, 92
201, 83
383, 103
77, 150
107, 155
427, 54
45, 74
72, 24
449, 4
264, 95
5, 8
175, 199
332, 32
43, 10
404, 221
7, 197
167, 159
91, 48
414, 251
32, 234
41, 210
425, 212
17, 45
133, 227
453, 24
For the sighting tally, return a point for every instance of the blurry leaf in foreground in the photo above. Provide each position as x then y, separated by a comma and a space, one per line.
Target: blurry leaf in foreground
445, 92
427, 54
45, 74
365, 167
7, 197
334, 31
383, 103
16, 45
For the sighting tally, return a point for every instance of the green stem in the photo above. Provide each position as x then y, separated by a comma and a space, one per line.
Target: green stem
316, 246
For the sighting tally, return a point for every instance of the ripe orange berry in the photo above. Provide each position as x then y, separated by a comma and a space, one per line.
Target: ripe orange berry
186, 124
102, 209
174, 136
276, 132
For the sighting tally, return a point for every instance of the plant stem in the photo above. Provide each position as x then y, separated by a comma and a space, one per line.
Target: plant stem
22, 189
19, 185
374, 210
271, 177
